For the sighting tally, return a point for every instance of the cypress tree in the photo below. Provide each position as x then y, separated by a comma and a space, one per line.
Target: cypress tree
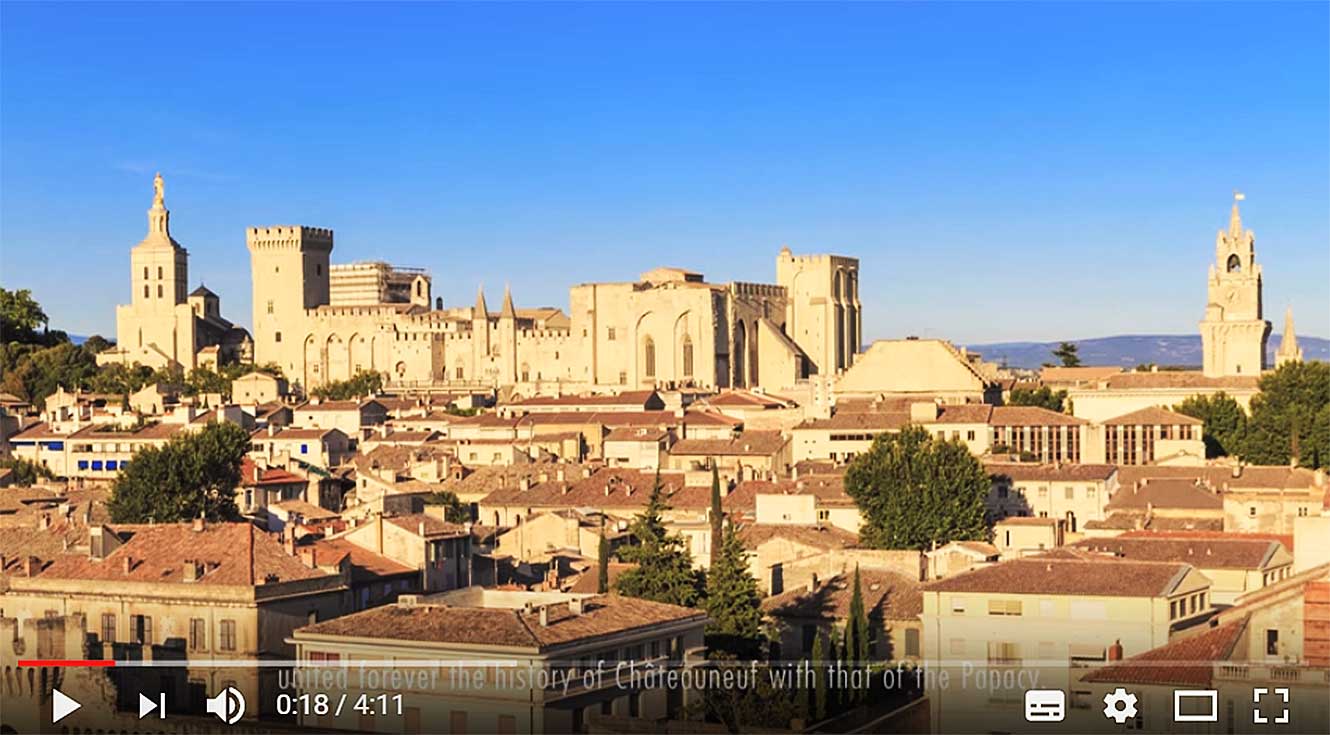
717, 516
734, 604
603, 563
664, 571
820, 680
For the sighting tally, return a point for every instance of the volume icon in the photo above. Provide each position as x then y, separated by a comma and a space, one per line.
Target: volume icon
228, 705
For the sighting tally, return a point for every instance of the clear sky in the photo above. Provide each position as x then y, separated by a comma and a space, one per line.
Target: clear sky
1002, 171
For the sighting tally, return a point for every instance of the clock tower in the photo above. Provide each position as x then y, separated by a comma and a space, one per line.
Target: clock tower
1233, 333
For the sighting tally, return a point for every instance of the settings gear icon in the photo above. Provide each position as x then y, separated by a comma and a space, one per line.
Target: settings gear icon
1120, 705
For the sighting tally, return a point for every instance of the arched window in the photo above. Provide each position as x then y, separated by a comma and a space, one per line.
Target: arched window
145, 272
687, 356
146, 293
1234, 264
649, 357
159, 290
159, 271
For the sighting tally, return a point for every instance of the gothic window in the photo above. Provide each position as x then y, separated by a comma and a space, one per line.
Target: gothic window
610, 335
649, 358
145, 291
269, 306
277, 337
687, 356
145, 272
1234, 264
526, 373
159, 290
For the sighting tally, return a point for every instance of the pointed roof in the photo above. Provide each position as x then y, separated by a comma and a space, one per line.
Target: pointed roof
1288, 344
480, 310
202, 290
1235, 217
507, 312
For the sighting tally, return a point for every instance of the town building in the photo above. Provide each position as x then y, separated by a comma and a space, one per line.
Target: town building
369, 283
492, 635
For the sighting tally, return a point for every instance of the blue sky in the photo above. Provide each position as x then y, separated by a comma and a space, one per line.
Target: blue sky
1002, 171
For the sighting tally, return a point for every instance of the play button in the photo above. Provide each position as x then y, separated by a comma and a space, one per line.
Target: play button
62, 705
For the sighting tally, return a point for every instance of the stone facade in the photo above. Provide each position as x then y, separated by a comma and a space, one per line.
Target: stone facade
1233, 333
669, 328
162, 326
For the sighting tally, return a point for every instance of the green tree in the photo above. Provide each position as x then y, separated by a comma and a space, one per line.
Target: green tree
190, 476
602, 560
1044, 397
97, 343
1289, 417
664, 570
454, 511
856, 626
36, 374
21, 317
914, 490
820, 682
363, 383
734, 605
1068, 354
1225, 422
26, 473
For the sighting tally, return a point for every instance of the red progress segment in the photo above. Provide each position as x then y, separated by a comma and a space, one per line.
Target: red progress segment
65, 662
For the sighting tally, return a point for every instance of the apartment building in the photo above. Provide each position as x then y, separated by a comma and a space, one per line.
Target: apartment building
494, 634
1046, 615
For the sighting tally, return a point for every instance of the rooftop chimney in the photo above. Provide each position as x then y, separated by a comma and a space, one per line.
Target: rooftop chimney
420, 528
199, 524
544, 616
46, 520
31, 566
128, 563
559, 475
1115, 651
191, 570
524, 484
575, 606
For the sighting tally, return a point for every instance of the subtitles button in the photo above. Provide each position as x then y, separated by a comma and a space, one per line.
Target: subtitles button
1045, 705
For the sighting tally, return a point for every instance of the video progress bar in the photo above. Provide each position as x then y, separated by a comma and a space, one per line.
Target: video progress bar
234, 664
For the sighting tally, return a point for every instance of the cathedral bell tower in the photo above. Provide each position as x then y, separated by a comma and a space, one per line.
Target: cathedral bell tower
1233, 332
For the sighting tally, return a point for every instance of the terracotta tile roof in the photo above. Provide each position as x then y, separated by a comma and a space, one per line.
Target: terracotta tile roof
859, 421
1284, 538
1216, 553
308, 512
709, 418
610, 487
289, 434
1077, 374
352, 405
1185, 661
602, 617
636, 434
150, 432
886, 595
434, 528
1033, 472
40, 430
601, 418
627, 398
589, 581
1166, 493
1032, 416
1046, 575
1179, 379
1249, 476
746, 399
1153, 416
748, 443
233, 554
251, 475
962, 413
366, 565
742, 499
399, 458
820, 537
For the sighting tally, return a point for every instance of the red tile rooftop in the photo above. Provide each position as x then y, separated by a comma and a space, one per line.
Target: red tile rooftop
232, 554
426, 623
1153, 416
1047, 575
1188, 661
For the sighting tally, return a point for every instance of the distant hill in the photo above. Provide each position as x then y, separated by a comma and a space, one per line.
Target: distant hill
1130, 350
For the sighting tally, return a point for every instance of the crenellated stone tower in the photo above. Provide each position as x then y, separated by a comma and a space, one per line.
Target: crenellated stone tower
1233, 333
